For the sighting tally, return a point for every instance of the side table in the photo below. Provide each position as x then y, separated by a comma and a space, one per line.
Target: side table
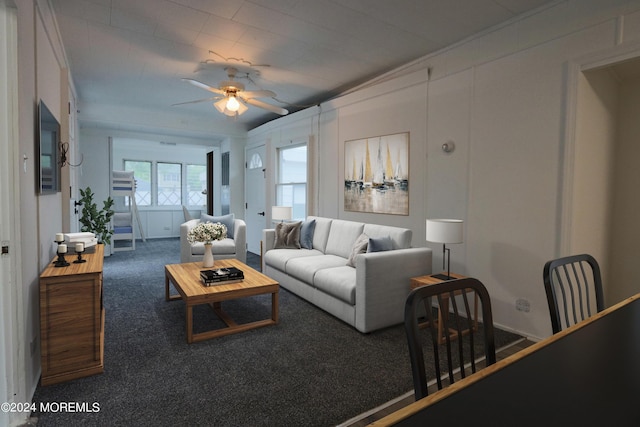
416, 282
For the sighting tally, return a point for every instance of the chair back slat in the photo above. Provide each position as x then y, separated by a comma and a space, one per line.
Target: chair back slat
461, 320
574, 290
431, 321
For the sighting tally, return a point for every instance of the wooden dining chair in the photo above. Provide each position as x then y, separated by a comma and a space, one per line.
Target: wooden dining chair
574, 290
421, 335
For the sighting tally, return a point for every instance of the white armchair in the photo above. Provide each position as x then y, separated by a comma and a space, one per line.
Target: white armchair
234, 246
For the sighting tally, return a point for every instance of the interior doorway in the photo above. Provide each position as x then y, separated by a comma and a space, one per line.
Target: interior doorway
604, 195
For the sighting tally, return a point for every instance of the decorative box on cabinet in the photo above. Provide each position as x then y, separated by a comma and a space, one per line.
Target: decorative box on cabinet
72, 319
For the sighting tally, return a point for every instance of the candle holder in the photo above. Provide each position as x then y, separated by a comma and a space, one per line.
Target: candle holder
61, 262
79, 260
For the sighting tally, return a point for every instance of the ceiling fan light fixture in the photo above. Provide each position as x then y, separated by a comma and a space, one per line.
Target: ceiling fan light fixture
233, 99
223, 106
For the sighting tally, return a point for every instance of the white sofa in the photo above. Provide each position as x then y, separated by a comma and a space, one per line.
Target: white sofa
369, 296
234, 246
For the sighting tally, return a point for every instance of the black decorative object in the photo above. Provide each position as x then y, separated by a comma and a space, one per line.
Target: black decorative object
79, 260
62, 249
221, 275
61, 262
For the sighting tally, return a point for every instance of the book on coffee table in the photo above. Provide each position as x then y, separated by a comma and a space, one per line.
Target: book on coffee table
221, 276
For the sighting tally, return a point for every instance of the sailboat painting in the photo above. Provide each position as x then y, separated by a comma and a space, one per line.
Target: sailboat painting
376, 174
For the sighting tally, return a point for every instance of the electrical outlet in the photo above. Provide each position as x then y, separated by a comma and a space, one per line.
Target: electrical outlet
523, 305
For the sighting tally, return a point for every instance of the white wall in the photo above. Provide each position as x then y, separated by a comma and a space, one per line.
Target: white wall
48, 72
593, 183
501, 98
28, 214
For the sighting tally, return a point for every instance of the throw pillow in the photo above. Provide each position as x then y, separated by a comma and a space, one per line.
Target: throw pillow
227, 220
359, 247
306, 234
288, 235
380, 244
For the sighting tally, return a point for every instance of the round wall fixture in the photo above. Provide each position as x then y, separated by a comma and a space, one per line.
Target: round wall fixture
448, 147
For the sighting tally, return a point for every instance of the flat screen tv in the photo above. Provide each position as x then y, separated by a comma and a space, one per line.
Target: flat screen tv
47, 143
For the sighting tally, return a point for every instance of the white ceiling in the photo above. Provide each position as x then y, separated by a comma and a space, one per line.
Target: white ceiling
132, 54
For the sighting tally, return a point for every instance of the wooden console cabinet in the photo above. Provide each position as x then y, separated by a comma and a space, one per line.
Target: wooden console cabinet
72, 319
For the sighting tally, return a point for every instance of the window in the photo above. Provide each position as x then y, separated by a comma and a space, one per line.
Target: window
169, 184
196, 182
142, 174
255, 162
291, 187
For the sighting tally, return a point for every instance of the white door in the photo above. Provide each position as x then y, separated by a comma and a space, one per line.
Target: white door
255, 208
12, 337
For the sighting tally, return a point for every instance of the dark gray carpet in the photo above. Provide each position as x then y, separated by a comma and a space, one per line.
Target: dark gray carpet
309, 370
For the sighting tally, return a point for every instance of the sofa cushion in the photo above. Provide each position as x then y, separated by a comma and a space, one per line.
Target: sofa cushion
278, 258
359, 247
306, 233
380, 244
305, 268
227, 220
342, 236
401, 236
288, 235
339, 282
321, 232
219, 247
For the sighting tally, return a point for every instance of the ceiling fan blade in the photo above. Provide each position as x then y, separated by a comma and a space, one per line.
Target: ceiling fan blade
196, 101
204, 86
267, 107
257, 94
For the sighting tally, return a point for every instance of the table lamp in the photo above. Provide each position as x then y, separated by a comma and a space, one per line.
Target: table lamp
281, 213
445, 231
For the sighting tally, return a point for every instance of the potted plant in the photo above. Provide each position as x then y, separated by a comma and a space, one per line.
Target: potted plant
94, 220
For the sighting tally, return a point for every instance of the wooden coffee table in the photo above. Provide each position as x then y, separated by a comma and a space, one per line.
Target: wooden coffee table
186, 280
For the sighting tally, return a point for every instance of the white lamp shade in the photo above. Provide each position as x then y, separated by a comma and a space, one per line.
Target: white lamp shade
281, 212
444, 230
221, 106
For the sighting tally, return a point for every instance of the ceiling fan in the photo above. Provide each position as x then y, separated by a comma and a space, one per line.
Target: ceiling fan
232, 98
